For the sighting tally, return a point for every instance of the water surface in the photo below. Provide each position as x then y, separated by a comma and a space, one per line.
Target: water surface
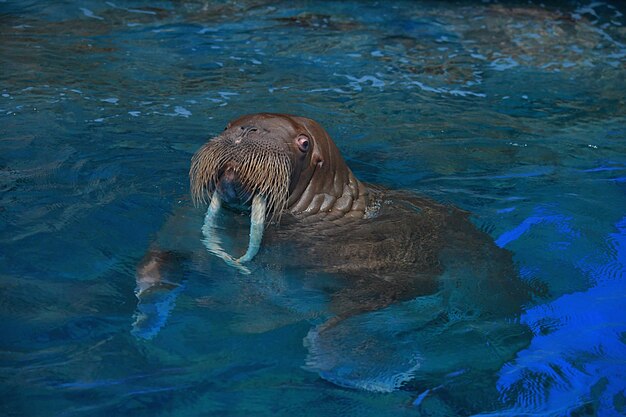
514, 112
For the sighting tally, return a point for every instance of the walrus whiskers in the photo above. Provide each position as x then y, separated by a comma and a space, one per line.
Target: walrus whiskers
267, 173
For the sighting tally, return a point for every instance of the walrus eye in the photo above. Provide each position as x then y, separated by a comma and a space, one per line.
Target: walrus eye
303, 143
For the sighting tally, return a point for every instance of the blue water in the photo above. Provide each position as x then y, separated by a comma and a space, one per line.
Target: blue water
515, 112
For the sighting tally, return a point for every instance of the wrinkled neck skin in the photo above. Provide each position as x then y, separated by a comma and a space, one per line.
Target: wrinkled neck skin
326, 188
330, 195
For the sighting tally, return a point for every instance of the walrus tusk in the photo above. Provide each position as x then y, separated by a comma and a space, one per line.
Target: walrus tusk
257, 224
209, 219
211, 238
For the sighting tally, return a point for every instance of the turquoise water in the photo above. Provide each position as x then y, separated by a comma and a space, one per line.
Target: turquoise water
514, 112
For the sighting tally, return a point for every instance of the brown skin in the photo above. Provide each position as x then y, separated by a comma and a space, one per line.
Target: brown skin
383, 246
321, 184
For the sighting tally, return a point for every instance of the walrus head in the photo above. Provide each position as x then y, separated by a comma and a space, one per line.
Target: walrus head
272, 163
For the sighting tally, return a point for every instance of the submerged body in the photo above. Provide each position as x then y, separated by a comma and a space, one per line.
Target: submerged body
363, 246
399, 251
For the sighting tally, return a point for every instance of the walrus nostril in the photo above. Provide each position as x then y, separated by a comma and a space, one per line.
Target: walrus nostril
245, 131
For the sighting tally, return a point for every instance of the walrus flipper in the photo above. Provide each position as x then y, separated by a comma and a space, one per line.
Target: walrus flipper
153, 310
156, 292
412, 342
377, 351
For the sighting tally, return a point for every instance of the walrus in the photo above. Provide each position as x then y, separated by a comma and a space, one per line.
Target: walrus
309, 213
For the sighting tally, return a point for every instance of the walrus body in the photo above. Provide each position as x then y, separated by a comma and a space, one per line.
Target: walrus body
309, 214
397, 254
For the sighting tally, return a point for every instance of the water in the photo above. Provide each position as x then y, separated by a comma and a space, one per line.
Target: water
514, 112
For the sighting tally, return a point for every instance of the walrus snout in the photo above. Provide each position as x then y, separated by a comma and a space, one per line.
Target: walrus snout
230, 187
237, 172
245, 172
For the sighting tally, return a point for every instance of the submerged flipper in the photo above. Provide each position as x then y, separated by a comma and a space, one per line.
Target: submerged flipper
365, 351
427, 338
153, 309
157, 288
